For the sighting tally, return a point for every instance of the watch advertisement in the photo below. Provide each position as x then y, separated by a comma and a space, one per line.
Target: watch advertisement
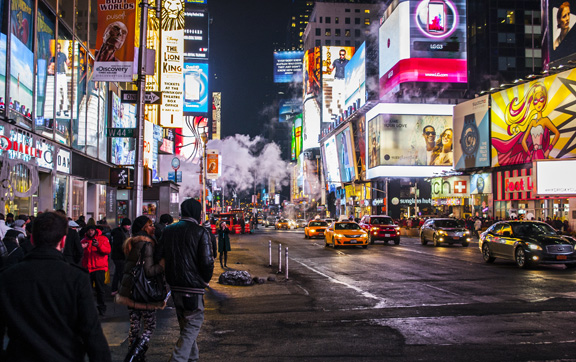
472, 134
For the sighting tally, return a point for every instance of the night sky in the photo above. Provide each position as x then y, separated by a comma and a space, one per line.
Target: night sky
243, 36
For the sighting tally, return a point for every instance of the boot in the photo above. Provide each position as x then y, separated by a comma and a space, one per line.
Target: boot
221, 266
225, 260
137, 351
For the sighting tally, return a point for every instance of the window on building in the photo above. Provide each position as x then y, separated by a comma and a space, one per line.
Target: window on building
317, 43
337, 32
347, 43
532, 17
356, 10
328, 32
506, 63
346, 10
508, 38
366, 21
346, 20
318, 31
336, 20
337, 42
328, 19
357, 21
366, 11
347, 32
357, 33
328, 42
320, 20
506, 16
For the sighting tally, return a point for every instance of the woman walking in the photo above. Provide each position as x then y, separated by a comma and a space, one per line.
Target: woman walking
142, 316
223, 243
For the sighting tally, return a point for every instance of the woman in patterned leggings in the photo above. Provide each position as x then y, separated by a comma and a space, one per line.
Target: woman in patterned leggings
142, 316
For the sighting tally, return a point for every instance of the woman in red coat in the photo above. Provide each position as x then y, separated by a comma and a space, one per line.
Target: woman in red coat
96, 249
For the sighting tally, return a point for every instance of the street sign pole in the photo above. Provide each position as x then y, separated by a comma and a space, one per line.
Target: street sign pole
141, 84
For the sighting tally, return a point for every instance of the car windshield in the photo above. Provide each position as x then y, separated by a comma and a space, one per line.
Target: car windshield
282, 220
447, 223
318, 223
381, 221
346, 226
531, 229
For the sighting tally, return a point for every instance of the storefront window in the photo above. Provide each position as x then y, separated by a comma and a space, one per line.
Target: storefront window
45, 72
86, 135
63, 85
77, 198
2, 61
60, 192
22, 63
21, 183
101, 202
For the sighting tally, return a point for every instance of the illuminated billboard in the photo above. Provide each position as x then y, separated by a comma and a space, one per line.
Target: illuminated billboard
561, 35
330, 161
195, 32
534, 121
196, 87
288, 66
334, 61
123, 115
547, 181
437, 30
355, 80
400, 135
312, 112
297, 137
171, 75
346, 160
288, 109
472, 134
311, 72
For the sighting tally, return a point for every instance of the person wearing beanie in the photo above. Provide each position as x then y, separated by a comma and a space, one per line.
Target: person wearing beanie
119, 235
189, 266
95, 260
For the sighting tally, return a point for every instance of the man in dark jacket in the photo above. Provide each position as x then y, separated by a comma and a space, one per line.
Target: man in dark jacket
119, 235
165, 220
189, 268
47, 304
73, 249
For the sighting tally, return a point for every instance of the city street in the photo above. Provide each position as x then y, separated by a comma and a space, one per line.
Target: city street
403, 303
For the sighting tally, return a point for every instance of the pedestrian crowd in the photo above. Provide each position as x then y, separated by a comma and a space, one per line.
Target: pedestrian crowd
53, 266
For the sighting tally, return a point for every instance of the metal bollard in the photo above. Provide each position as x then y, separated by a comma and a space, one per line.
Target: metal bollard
279, 258
269, 252
286, 270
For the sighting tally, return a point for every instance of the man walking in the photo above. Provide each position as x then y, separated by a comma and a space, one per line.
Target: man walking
47, 304
189, 268
119, 235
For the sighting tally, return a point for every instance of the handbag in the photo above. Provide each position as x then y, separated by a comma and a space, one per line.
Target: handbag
146, 290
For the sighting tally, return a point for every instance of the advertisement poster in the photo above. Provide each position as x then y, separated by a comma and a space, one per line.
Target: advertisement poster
360, 144
44, 97
288, 109
334, 61
196, 87
187, 139
311, 72
297, 137
195, 32
21, 59
172, 50
288, 66
346, 162
534, 121
472, 134
561, 33
122, 115
355, 84
410, 140
330, 160
115, 40
481, 183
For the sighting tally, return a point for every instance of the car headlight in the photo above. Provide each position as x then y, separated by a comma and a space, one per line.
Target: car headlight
467, 232
441, 232
397, 228
532, 246
339, 236
374, 229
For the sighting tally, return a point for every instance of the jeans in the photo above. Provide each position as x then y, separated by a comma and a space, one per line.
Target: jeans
118, 273
190, 321
97, 277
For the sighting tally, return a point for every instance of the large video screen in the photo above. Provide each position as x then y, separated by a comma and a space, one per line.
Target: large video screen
288, 66
288, 109
330, 160
534, 121
472, 134
561, 33
195, 32
123, 115
334, 61
437, 31
311, 127
355, 85
346, 160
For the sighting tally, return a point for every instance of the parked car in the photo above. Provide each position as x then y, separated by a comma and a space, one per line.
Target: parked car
528, 243
380, 227
315, 228
282, 224
444, 230
342, 233
301, 223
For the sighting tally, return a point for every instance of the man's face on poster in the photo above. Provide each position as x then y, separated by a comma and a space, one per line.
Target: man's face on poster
429, 135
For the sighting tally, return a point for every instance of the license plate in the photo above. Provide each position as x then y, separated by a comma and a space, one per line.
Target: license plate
561, 257
456, 237
321, 234
352, 241
387, 235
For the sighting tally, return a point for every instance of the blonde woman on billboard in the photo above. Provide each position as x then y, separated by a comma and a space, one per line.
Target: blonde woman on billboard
563, 20
529, 127
442, 155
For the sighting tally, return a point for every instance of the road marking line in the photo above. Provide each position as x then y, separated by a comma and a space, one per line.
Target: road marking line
381, 302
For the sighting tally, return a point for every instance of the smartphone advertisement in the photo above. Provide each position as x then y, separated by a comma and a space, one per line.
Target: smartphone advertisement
196, 87
437, 31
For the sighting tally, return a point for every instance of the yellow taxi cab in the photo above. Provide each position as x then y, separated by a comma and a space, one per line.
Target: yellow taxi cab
315, 228
282, 224
342, 233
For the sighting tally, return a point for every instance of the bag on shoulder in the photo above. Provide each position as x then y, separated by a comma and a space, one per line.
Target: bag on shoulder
147, 290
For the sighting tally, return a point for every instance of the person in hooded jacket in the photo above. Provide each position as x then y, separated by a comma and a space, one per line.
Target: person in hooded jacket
119, 236
142, 316
223, 243
95, 259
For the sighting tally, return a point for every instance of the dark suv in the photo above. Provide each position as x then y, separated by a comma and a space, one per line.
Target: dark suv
380, 227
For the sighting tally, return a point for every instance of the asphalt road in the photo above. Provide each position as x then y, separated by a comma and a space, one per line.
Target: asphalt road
385, 303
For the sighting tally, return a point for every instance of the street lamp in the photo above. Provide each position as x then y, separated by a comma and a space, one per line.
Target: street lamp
204, 138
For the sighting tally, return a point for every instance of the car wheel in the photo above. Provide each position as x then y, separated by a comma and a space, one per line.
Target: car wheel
488, 258
465, 243
397, 241
370, 239
334, 244
325, 242
423, 240
364, 246
436, 241
520, 258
